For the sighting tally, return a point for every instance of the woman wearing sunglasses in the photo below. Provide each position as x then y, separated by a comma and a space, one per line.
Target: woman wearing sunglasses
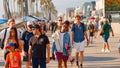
62, 45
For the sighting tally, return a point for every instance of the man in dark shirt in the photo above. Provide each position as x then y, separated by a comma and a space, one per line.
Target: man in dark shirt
37, 48
26, 37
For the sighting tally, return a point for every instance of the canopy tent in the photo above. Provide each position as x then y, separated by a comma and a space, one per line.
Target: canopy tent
31, 18
2, 21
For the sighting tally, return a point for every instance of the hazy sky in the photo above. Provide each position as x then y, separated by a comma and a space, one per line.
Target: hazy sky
60, 5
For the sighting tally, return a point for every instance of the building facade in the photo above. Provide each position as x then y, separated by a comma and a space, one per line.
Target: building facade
69, 13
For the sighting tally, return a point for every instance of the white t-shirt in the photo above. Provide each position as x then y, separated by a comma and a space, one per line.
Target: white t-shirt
61, 38
8, 32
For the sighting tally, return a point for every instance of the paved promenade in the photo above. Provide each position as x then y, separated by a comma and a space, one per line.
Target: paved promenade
94, 58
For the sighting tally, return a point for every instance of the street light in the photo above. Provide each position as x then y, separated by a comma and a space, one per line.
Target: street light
89, 10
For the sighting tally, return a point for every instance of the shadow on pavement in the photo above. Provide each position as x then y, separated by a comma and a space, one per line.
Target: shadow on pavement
112, 67
102, 67
91, 58
2, 63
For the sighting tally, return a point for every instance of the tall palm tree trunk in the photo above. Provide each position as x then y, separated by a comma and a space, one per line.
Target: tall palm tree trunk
8, 9
5, 8
31, 10
26, 7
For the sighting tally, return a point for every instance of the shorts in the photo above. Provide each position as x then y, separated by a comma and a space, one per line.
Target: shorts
60, 56
79, 46
105, 39
119, 45
26, 58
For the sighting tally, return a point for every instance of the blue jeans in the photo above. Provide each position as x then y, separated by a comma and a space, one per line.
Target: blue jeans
36, 62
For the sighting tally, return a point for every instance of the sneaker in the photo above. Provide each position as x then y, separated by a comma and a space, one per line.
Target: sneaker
107, 50
103, 50
77, 63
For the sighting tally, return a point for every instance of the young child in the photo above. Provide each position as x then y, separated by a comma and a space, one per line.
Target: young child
13, 59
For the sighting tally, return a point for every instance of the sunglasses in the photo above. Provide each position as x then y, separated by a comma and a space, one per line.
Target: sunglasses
30, 26
33, 28
59, 20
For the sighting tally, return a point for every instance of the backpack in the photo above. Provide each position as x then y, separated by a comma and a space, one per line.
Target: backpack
24, 35
2, 41
91, 28
83, 26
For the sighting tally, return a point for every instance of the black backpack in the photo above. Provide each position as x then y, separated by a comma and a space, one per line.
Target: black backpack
2, 40
83, 26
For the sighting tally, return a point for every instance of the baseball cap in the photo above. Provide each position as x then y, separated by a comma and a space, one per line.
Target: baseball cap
10, 44
35, 26
29, 23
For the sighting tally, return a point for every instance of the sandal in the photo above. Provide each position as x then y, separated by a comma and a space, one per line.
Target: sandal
72, 61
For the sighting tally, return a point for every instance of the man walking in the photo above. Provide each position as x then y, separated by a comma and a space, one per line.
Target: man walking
78, 34
26, 37
37, 48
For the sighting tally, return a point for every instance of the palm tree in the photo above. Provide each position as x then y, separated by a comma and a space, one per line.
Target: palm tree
31, 7
26, 7
48, 8
20, 4
5, 8
8, 10
7, 13
18, 7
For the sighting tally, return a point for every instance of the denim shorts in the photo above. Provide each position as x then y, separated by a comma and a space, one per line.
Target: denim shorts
119, 45
105, 39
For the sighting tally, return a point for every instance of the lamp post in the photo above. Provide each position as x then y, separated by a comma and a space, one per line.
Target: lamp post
89, 10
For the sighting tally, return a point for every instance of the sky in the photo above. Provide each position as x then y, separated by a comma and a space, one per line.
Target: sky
60, 5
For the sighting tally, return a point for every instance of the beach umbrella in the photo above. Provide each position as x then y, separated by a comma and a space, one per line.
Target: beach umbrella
2, 21
30, 18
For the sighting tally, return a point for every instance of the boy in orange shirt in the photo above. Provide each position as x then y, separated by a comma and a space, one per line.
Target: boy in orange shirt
13, 59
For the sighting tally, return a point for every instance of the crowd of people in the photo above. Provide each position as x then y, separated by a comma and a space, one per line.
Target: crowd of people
33, 45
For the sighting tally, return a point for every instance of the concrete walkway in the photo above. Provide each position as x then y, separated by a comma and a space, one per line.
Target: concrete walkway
94, 58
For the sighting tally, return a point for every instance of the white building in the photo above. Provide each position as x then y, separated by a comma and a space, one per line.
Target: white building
78, 10
100, 7
69, 13
87, 8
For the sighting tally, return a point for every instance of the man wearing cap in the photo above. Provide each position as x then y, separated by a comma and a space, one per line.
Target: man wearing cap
37, 48
13, 59
26, 37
